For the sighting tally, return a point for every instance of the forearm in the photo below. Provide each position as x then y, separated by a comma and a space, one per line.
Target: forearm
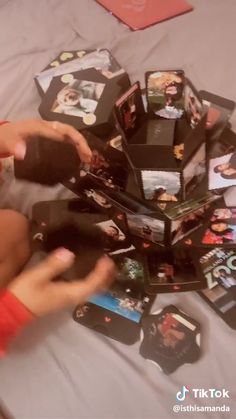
13, 317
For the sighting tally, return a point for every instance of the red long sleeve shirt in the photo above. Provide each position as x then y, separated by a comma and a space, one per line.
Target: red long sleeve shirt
13, 314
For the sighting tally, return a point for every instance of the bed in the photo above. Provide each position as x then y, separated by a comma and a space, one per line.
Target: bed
56, 368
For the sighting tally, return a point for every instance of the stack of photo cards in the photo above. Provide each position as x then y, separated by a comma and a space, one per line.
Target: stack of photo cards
170, 338
82, 90
76, 60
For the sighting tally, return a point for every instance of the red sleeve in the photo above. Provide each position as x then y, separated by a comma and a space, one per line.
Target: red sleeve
13, 316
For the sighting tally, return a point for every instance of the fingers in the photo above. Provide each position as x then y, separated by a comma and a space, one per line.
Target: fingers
45, 129
72, 135
11, 141
55, 264
99, 279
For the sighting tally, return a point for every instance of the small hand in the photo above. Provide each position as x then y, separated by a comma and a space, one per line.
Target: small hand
36, 290
14, 135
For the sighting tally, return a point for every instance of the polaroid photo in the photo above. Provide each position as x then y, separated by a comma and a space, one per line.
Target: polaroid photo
146, 227
115, 241
129, 111
170, 339
165, 93
222, 171
161, 185
192, 105
195, 170
221, 228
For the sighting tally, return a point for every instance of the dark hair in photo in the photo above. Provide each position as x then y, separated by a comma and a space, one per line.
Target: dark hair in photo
158, 192
225, 176
115, 228
220, 233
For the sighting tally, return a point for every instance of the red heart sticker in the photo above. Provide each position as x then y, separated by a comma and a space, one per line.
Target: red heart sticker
107, 319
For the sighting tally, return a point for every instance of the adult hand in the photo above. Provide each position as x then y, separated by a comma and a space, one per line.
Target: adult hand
14, 135
36, 290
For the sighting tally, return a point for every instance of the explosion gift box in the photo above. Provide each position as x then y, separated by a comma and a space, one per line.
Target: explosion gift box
165, 146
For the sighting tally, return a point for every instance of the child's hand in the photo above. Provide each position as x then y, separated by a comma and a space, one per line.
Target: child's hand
36, 290
14, 135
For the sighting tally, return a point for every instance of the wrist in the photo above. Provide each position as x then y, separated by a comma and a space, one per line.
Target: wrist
13, 317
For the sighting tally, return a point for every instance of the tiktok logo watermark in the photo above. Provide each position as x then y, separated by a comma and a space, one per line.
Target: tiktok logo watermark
201, 393
180, 395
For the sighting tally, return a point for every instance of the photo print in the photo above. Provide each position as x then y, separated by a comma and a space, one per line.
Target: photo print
146, 227
193, 106
219, 110
187, 224
170, 339
160, 185
108, 167
129, 269
195, 170
78, 98
166, 271
120, 302
222, 171
165, 90
219, 268
222, 227
98, 198
129, 110
114, 239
